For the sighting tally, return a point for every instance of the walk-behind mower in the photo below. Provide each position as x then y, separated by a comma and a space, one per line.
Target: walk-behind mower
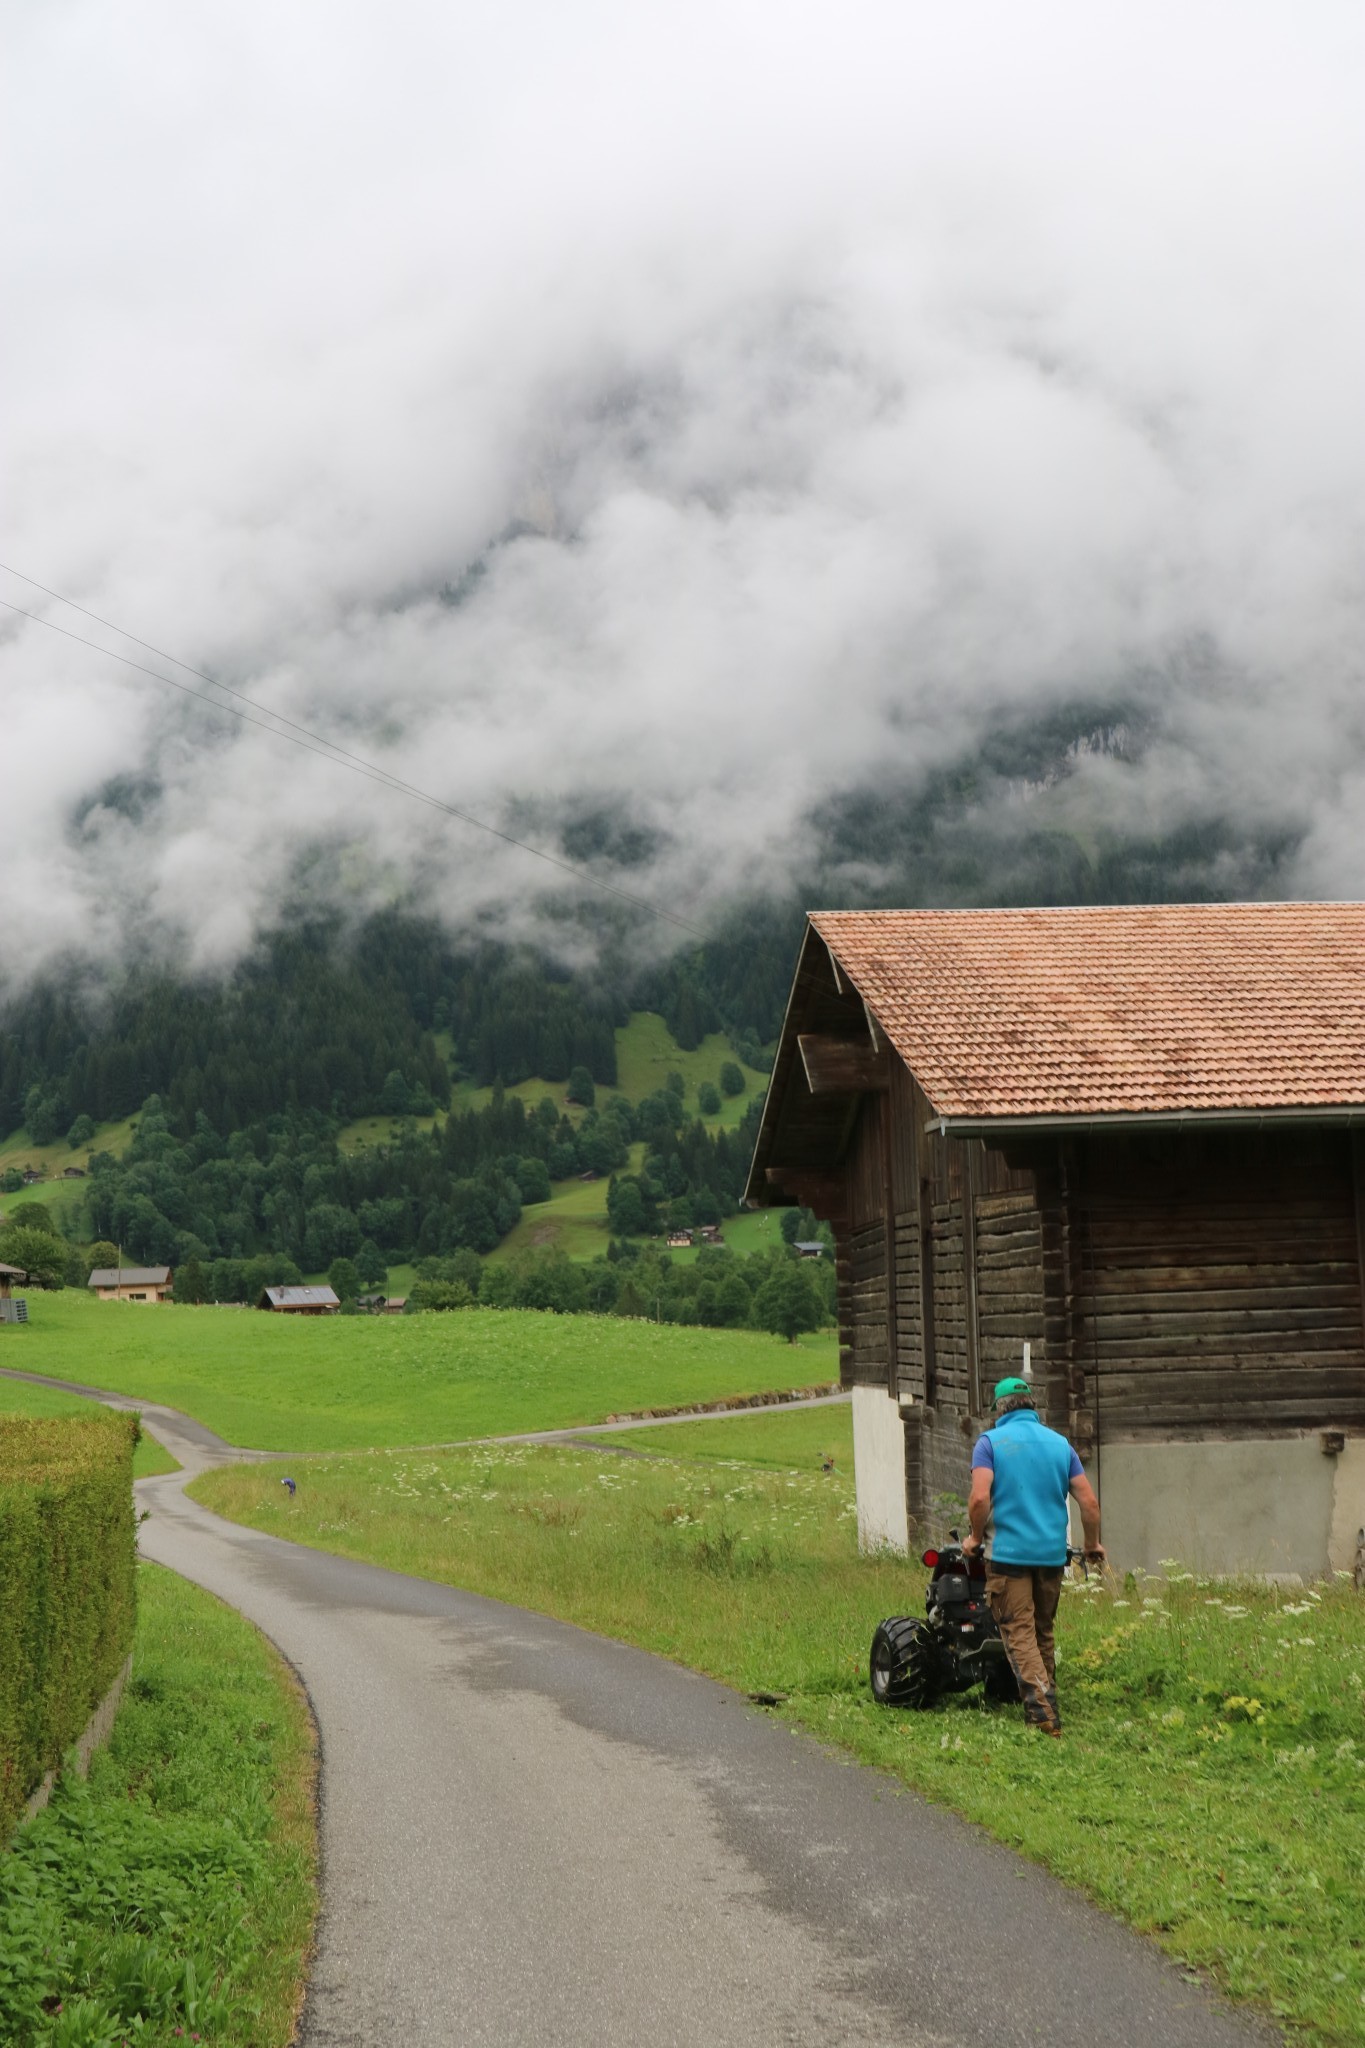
956, 1646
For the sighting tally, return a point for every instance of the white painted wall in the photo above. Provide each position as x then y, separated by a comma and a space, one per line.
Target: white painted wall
879, 1470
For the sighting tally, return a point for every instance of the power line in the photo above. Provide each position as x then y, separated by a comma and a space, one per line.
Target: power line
312, 742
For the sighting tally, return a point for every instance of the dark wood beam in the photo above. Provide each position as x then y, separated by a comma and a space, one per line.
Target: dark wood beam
842, 1066
824, 1194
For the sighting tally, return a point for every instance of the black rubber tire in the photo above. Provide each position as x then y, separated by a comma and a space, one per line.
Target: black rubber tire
903, 1666
1001, 1683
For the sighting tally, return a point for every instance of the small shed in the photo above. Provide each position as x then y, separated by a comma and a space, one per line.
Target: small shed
132, 1283
1122, 1149
10, 1276
300, 1301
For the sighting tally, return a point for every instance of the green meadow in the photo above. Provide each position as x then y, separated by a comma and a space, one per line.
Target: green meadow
299, 1383
1210, 1786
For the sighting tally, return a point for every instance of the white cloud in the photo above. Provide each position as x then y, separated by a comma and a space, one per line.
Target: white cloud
848, 375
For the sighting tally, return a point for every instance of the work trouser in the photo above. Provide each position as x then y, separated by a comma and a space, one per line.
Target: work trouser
1024, 1602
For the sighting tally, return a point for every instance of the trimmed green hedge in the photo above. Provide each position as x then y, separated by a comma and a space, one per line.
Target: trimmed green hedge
67, 1602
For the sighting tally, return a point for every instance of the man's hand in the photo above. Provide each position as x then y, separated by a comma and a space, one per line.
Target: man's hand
971, 1546
1096, 1554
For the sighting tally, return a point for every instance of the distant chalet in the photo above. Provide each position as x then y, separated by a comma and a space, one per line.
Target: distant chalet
300, 1301
132, 1283
1122, 1149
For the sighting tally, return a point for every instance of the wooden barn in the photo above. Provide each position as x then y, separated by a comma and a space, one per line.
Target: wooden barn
1125, 1144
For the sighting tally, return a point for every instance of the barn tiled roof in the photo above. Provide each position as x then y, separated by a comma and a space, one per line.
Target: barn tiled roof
1138, 1008
129, 1276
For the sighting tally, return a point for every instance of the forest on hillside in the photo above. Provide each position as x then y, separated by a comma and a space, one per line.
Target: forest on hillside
342, 1019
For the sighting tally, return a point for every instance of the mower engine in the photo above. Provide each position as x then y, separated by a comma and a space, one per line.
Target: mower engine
956, 1646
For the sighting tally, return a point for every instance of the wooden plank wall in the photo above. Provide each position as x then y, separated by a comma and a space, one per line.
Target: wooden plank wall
1010, 1305
930, 1181
1217, 1284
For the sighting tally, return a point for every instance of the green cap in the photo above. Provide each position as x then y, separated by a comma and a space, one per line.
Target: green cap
1005, 1390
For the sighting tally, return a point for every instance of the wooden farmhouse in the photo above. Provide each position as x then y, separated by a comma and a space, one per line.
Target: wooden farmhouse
132, 1283
1125, 1146
10, 1276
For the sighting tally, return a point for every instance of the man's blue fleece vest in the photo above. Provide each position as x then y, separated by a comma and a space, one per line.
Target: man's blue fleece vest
1033, 1467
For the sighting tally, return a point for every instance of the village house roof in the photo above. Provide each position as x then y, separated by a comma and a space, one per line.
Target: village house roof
300, 1297
12, 1273
1068, 1014
129, 1276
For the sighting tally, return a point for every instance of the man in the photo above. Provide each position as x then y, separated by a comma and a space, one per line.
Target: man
1022, 1474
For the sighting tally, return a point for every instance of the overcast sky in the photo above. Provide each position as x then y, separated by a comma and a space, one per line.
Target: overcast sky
783, 391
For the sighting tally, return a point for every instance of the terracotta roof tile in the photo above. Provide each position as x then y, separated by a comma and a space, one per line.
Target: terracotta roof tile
1162, 1007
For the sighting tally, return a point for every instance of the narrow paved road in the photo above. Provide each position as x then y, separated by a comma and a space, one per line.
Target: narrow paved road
534, 1836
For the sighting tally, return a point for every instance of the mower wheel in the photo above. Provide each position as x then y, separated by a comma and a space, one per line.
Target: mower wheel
903, 1666
1001, 1683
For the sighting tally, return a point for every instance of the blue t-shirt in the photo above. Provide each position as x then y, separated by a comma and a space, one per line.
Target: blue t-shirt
1033, 1468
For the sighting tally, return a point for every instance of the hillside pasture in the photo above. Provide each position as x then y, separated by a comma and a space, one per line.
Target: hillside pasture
298, 1383
646, 1054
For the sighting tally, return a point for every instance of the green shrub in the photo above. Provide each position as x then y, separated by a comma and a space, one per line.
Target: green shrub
66, 1567
37, 1253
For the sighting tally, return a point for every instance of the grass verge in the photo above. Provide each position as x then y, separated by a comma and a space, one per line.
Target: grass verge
172, 1895
1211, 1786
344, 1382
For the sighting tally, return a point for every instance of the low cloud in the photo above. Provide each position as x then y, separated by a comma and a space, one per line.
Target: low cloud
635, 429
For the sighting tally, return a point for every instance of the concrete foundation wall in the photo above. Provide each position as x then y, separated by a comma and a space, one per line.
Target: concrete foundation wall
1262, 1505
879, 1470
1348, 1505
1259, 1505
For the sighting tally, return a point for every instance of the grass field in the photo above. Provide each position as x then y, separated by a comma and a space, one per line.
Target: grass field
574, 1220
783, 1440
18, 1397
371, 1131
1210, 1788
646, 1054
343, 1382
64, 1197
172, 1897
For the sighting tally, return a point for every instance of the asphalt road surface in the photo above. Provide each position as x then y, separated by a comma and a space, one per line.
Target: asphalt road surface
533, 1835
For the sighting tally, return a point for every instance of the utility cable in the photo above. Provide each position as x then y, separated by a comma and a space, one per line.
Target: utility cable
314, 743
